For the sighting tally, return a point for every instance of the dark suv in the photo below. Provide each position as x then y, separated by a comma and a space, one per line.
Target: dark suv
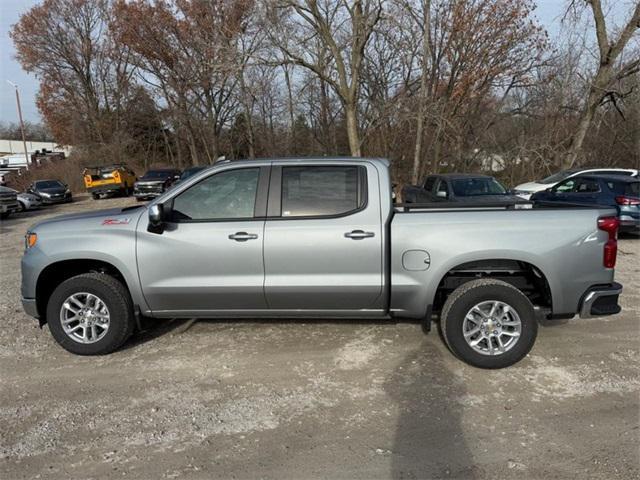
155, 182
605, 190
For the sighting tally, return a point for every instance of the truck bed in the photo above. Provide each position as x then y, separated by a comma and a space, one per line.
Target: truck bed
563, 244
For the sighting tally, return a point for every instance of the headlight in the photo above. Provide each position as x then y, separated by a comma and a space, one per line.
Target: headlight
67, 191
45, 194
30, 240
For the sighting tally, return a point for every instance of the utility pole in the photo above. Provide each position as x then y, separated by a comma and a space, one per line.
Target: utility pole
24, 140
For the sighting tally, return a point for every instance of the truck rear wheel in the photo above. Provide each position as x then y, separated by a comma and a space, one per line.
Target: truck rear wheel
90, 314
489, 323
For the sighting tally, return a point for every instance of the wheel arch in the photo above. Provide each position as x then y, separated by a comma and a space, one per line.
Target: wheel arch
524, 275
55, 273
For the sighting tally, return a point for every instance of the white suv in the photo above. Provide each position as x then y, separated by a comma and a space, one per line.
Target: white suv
525, 190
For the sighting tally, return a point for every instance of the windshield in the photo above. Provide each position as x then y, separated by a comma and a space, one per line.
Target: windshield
190, 172
558, 177
466, 187
49, 184
158, 174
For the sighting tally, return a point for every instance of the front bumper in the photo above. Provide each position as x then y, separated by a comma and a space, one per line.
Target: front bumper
55, 199
147, 193
601, 300
10, 207
522, 194
30, 307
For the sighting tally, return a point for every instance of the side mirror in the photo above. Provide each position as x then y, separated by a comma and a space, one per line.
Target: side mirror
156, 218
441, 194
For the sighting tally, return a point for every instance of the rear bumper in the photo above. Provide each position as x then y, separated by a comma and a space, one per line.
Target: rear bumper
109, 188
629, 223
601, 300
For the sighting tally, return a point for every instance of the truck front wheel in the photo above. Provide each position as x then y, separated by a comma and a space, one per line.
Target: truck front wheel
90, 314
489, 323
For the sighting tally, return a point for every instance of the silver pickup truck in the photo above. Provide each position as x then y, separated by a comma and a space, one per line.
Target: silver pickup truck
319, 238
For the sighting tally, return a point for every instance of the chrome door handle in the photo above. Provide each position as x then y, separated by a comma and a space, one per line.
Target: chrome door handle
359, 234
242, 236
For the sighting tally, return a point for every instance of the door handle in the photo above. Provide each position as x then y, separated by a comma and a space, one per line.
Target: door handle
359, 234
242, 236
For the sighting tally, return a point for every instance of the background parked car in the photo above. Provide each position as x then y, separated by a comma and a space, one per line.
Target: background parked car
458, 187
105, 180
28, 201
525, 190
190, 172
8, 202
155, 182
51, 191
607, 190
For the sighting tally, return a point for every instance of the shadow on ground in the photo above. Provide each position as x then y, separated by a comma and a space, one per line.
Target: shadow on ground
429, 441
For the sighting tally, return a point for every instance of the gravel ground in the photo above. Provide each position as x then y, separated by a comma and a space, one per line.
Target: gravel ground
258, 399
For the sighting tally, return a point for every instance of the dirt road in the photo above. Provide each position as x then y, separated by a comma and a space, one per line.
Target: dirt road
229, 399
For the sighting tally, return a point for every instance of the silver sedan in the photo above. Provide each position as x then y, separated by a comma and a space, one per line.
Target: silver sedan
28, 201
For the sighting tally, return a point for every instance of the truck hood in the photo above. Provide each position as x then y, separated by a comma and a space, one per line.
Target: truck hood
533, 186
150, 182
109, 218
52, 190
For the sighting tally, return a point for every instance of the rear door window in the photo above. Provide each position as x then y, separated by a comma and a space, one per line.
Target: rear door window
317, 191
632, 189
586, 186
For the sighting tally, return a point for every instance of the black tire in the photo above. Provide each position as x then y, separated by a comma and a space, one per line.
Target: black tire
463, 299
113, 294
95, 196
4, 215
23, 207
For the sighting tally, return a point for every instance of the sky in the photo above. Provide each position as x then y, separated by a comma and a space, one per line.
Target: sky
549, 12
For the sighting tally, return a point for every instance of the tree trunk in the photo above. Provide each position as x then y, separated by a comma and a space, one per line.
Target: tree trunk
422, 110
599, 84
290, 109
352, 130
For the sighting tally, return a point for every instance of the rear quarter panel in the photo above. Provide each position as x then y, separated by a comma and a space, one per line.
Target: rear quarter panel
564, 244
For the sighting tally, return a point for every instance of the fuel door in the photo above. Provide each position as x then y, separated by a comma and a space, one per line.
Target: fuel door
416, 260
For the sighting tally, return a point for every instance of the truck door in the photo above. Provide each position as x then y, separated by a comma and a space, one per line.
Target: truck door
323, 238
209, 257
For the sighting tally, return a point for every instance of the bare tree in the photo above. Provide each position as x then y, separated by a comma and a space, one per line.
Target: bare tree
345, 28
609, 71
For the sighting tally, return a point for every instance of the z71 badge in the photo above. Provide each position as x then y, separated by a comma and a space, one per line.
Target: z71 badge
116, 221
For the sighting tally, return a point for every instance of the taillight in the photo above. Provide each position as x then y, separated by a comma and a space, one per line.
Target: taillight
610, 225
622, 200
